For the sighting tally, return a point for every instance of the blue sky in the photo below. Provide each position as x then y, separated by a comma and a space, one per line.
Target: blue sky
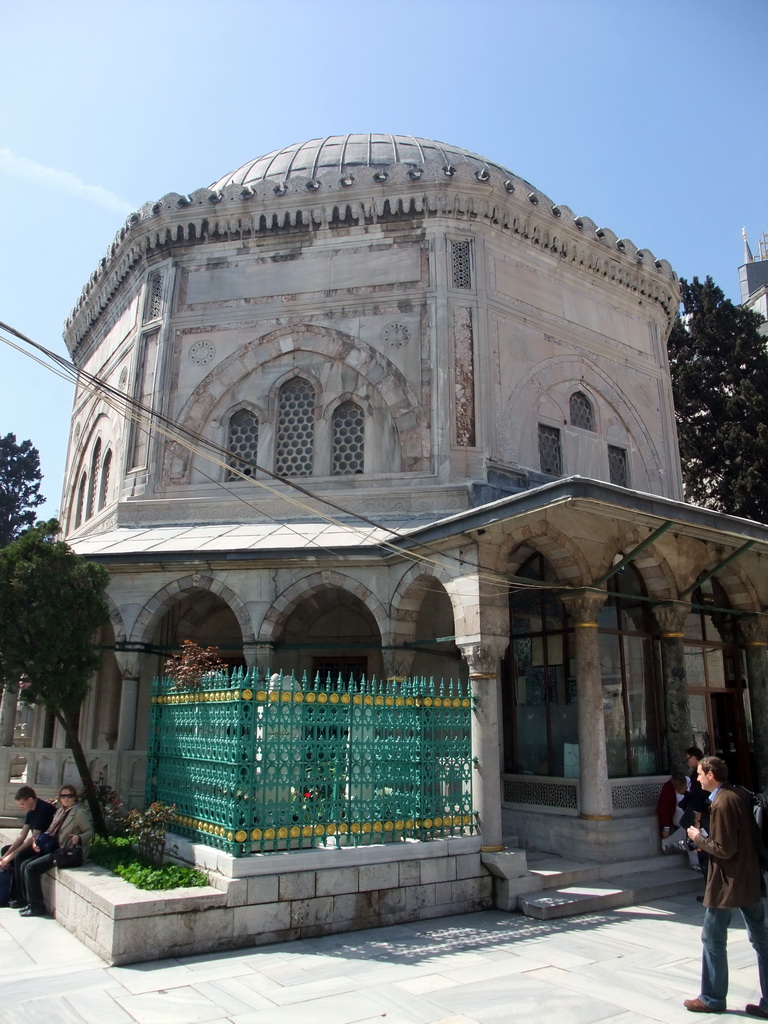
647, 117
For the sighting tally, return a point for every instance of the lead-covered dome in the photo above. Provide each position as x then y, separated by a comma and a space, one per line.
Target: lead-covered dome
345, 153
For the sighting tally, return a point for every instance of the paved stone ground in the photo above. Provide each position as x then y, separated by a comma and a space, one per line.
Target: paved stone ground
618, 967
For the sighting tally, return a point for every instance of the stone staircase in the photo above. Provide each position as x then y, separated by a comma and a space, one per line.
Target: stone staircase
554, 887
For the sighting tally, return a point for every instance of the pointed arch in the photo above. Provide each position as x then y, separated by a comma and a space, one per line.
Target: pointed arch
286, 603
154, 609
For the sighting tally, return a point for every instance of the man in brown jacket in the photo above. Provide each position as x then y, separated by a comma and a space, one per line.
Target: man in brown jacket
733, 882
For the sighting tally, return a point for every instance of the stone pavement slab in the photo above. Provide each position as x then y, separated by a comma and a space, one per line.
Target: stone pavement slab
620, 966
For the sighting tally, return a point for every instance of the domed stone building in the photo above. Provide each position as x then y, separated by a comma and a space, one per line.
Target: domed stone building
375, 405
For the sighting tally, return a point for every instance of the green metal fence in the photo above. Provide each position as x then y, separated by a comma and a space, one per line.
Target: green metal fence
257, 762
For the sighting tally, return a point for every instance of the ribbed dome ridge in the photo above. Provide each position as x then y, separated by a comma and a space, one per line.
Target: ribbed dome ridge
345, 153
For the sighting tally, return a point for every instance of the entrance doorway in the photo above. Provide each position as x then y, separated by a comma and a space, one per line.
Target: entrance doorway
718, 728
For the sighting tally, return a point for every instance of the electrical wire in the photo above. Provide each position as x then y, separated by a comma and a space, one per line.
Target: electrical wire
149, 420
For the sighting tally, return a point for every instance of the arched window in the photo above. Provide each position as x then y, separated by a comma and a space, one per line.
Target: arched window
294, 450
94, 483
106, 468
582, 413
243, 444
630, 691
541, 733
80, 503
348, 440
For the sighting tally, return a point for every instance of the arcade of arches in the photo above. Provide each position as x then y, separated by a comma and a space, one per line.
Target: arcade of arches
597, 652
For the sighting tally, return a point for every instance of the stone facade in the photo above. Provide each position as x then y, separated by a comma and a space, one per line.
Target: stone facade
345, 409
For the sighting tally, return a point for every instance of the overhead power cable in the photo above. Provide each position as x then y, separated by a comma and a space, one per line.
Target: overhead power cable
149, 420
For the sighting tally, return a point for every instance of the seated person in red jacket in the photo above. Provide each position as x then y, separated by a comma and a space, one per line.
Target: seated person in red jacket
669, 811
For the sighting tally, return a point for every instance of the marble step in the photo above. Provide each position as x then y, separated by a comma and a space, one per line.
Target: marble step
554, 872
608, 893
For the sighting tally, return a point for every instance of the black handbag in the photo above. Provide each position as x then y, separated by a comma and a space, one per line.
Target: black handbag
70, 855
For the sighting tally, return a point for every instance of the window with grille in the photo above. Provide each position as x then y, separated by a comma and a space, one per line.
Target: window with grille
582, 414
295, 428
243, 444
617, 466
154, 307
348, 440
550, 457
106, 469
94, 481
80, 505
461, 268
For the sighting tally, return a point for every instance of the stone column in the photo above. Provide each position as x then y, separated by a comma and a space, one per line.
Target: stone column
8, 712
754, 630
595, 799
260, 657
678, 731
129, 663
397, 662
484, 660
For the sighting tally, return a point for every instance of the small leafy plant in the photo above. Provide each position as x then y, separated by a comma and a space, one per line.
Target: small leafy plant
117, 854
147, 829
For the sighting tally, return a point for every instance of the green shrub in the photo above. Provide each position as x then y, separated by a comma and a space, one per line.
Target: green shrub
118, 855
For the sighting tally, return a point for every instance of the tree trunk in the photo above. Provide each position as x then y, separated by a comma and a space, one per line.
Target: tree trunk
89, 787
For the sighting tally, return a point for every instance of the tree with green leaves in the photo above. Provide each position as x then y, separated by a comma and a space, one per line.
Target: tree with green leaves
719, 367
53, 604
20, 478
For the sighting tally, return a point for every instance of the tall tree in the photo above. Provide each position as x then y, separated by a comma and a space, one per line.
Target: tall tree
20, 478
719, 368
52, 605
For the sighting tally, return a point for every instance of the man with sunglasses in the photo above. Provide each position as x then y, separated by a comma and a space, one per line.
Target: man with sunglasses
733, 882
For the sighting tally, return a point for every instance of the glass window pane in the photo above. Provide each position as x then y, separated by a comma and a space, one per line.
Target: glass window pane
694, 627
608, 617
643, 729
613, 705
694, 666
699, 722
530, 712
715, 667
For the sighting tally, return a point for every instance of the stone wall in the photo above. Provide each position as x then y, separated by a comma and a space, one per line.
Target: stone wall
284, 897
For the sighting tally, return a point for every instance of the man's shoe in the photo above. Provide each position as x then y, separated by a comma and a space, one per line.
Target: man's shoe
33, 912
17, 904
696, 1006
754, 1011
23, 907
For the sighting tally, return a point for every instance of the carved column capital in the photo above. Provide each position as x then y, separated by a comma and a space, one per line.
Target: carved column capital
129, 663
754, 630
671, 616
483, 656
584, 606
397, 662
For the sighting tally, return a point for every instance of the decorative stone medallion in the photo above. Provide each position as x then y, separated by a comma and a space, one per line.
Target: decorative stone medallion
201, 352
396, 334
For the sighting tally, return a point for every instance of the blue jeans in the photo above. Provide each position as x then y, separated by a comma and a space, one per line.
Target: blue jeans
714, 963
